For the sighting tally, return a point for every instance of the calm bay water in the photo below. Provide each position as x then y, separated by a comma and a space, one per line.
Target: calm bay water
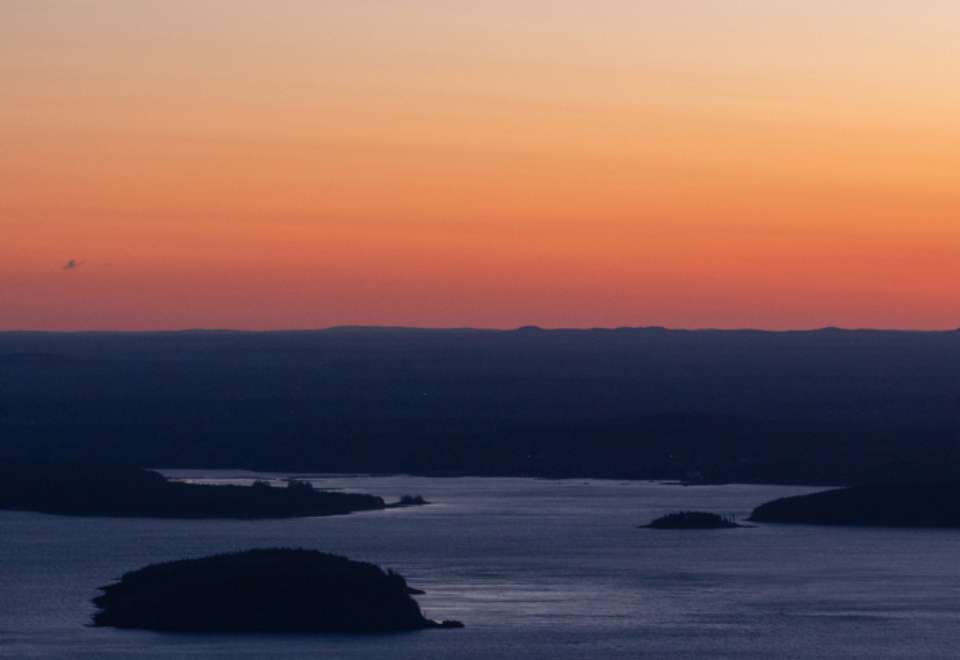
534, 568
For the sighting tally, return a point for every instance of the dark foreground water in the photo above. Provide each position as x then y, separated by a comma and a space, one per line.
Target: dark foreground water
536, 569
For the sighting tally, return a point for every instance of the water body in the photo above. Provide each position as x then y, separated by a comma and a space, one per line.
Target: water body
536, 569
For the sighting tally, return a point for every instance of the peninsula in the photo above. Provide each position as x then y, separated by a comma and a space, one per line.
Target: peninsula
881, 505
275, 590
83, 489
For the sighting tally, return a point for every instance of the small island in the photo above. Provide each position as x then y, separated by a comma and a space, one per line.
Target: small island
83, 489
692, 520
410, 500
273, 590
879, 505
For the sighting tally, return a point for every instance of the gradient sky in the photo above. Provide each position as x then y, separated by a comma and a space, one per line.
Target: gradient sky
310, 163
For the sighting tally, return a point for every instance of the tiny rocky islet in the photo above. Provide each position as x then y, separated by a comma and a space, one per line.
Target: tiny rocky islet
692, 520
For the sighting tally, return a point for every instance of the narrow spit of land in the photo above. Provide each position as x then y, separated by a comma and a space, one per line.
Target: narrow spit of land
77, 489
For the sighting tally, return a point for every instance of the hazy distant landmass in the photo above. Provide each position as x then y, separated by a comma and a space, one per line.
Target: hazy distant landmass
85, 489
830, 407
881, 505
275, 590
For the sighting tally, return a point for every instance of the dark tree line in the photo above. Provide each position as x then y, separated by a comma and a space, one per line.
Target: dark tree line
89, 489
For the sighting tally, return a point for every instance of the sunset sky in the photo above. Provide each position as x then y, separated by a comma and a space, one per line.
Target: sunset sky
312, 163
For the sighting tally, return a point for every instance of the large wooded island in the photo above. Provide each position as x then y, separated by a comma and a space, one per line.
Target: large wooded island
277, 590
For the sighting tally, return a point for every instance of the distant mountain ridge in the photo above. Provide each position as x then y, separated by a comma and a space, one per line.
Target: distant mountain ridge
827, 406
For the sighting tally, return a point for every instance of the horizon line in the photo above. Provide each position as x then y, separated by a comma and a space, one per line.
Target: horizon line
523, 328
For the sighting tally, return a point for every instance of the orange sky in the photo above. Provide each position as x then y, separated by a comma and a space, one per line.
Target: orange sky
305, 163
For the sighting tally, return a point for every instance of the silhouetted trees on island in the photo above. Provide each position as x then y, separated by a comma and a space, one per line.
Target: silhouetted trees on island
85, 489
263, 590
692, 520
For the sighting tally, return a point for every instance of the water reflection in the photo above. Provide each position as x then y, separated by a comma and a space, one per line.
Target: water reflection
534, 568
